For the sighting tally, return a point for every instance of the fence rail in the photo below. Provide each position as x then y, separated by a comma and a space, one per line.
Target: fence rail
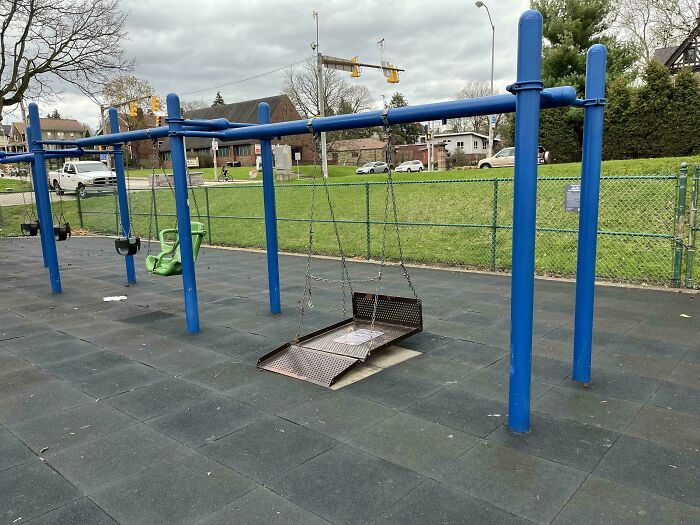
466, 222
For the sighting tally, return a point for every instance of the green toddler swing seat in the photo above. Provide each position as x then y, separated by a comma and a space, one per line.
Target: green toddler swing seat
169, 261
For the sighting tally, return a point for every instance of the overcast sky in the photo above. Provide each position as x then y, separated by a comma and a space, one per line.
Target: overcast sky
185, 46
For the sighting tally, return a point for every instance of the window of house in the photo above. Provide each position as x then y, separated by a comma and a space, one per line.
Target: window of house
476, 144
460, 144
244, 149
61, 135
165, 155
49, 134
485, 144
224, 151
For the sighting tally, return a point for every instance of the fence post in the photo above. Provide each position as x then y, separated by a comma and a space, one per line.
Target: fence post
206, 198
369, 239
692, 227
680, 225
494, 225
80, 209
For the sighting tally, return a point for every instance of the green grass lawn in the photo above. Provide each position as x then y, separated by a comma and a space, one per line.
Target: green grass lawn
482, 238
14, 184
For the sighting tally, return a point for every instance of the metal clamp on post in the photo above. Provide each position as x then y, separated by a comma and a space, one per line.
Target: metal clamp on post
525, 85
310, 126
385, 118
593, 102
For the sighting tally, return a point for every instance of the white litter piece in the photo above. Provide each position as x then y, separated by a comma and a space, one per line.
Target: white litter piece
114, 298
685, 315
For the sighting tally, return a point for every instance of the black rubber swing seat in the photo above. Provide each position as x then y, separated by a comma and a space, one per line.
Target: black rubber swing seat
323, 356
62, 231
127, 245
30, 228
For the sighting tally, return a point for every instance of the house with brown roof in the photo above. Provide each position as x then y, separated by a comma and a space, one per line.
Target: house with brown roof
687, 54
356, 152
243, 151
51, 129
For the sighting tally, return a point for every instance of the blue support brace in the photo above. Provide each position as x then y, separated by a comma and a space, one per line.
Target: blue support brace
273, 272
36, 198
594, 106
184, 228
527, 106
43, 199
122, 193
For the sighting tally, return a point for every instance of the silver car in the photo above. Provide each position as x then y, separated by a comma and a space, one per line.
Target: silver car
373, 167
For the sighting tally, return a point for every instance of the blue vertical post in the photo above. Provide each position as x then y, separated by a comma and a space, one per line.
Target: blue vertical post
594, 107
527, 118
273, 271
184, 228
36, 198
122, 193
43, 200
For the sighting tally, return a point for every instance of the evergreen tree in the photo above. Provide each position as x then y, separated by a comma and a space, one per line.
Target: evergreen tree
683, 116
617, 139
403, 133
345, 108
649, 112
218, 100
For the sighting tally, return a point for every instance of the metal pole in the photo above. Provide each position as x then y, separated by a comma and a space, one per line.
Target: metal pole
692, 228
527, 117
594, 107
322, 113
214, 150
273, 272
494, 225
184, 228
122, 193
493, 49
206, 198
680, 225
367, 220
43, 200
37, 196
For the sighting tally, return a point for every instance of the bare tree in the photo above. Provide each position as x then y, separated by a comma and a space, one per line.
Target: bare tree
301, 86
193, 104
480, 124
126, 88
48, 42
653, 24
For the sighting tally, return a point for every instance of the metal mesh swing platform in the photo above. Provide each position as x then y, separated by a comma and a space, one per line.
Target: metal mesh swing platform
321, 357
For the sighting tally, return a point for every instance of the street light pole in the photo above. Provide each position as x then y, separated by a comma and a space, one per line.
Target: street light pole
321, 104
479, 3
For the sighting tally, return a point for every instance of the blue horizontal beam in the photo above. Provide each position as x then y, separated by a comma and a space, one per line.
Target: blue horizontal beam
214, 124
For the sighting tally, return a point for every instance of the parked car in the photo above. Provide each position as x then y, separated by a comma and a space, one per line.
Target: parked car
373, 167
82, 177
506, 158
410, 165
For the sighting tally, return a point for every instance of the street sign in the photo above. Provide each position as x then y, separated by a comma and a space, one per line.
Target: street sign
493, 120
572, 198
258, 150
214, 145
103, 157
297, 156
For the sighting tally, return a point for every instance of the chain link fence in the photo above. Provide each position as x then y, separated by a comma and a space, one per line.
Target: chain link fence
460, 222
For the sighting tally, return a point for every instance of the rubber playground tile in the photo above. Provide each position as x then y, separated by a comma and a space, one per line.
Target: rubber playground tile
269, 448
12, 450
437, 369
119, 379
45, 356
578, 446
644, 346
79, 368
686, 374
493, 383
12, 364
612, 383
544, 370
54, 432
339, 415
677, 397
393, 388
32, 489
23, 380
225, 376
38, 339
277, 393
654, 367
667, 427
425, 341
462, 411
207, 421
600, 338
262, 507
606, 502
522, 484
92, 465
159, 398
588, 408
52, 397
469, 352
79, 512
639, 463
414, 443
178, 491
431, 502
178, 359
345, 485
19, 330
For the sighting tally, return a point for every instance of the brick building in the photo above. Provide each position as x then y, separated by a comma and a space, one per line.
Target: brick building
51, 129
281, 110
355, 152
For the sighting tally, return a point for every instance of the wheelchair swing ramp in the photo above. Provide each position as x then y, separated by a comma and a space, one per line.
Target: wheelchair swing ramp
323, 356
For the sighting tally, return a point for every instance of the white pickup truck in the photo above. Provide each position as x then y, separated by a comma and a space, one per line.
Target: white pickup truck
83, 177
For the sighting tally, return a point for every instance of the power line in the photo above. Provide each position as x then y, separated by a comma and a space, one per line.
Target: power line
246, 79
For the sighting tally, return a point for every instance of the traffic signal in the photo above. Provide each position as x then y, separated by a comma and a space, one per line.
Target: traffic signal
393, 77
133, 110
155, 104
159, 121
355, 69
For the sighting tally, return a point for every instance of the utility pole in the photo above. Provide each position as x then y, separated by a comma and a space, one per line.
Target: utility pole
321, 98
492, 118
